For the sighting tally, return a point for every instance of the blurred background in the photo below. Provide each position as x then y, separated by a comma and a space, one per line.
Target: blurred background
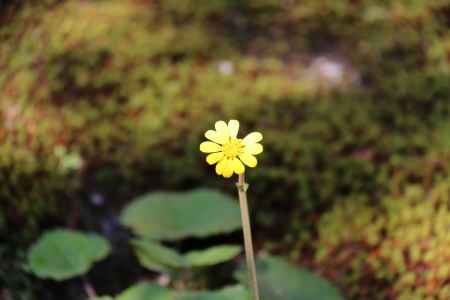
104, 101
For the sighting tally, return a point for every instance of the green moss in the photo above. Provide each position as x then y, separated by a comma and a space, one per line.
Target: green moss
402, 243
126, 92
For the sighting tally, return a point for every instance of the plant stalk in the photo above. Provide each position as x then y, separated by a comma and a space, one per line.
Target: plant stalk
89, 289
246, 228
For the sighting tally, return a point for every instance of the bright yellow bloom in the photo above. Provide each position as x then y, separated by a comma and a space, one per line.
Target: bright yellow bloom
229, 152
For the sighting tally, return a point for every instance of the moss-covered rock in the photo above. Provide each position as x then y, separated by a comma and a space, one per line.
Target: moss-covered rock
125, 93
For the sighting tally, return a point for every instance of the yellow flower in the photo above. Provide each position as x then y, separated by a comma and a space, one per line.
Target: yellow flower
229, 152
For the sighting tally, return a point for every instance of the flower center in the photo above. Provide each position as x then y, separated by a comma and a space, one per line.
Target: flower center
233, 148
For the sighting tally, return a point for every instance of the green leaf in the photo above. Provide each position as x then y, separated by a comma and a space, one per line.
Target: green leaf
172, 216
212, 256
63, 254
146, 291
102, 298
150, 291
229, 293
157, 257
279, 280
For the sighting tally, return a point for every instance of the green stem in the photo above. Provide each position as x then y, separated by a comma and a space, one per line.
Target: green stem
249, 253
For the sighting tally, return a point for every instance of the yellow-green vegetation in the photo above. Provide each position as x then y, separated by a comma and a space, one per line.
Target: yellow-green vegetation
402, 243
113, 97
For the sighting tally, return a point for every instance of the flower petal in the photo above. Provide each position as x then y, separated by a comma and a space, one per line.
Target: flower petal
210, 147
248, 159
222, 128
214, 157
216, 137
233, 128
228, 168
255, 148
238, 167
220, 166
252, 138
222, 131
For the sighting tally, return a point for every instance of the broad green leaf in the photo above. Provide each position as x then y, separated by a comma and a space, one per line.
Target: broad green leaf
281, 281
229, 293
150, 291
62, 254
102, 298
146, 291
171, 216
212, 256
157, 257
